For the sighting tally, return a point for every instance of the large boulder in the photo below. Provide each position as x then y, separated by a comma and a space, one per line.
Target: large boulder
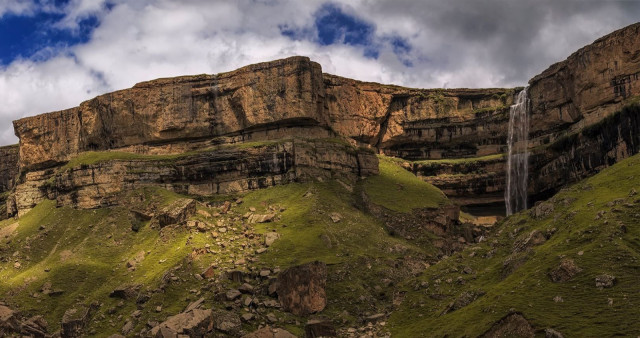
301, 289
177, 212
194, 323
268, 332
565, 271
74, 320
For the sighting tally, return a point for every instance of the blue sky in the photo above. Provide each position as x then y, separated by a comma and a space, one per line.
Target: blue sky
56, 53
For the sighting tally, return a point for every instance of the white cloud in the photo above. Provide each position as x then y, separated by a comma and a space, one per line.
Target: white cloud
17, 7
483, 44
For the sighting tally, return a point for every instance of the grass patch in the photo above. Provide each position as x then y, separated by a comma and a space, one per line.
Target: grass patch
399, 190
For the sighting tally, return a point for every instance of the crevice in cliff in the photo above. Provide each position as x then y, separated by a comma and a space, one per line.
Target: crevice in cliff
384, 123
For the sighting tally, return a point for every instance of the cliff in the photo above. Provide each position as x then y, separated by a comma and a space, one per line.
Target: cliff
292, 99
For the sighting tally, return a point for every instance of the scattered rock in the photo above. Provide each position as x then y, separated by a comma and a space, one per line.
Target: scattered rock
268, 332
270, 237
301, 289
319, 328
194, 305
541, 209
125, 291
512, 325
177, 212
551, 333
463, 300
565, 271
246, 288
227, 322
128, 327
74, 320
210, 272
247, 317
558, 299
534, 238
255, 218
232, 294
335, 217
271, 317
605, 281
193, 323
374, 318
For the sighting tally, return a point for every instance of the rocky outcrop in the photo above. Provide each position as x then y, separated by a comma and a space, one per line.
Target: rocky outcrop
177, 110
301, 289
222, 170
291, 99
8, 166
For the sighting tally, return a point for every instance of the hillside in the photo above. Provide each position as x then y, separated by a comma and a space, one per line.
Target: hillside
56, 259
570, 264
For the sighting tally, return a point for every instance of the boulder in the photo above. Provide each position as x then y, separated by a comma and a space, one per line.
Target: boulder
125, 291
177, 212
319, 328
605, 281
270, 237
301, 289
268, 332
74, 320
255, 218
512, 325
8, 320
195, 322
565, 271
227, 322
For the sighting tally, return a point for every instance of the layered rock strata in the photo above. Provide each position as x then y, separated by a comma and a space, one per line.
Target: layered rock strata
223, 170
293, 99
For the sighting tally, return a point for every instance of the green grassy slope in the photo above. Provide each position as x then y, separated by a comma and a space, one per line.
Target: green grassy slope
604, 244
84, 252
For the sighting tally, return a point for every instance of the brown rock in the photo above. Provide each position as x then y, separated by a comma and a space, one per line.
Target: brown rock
605, 281
227, 322
74, 321
196, 322
319, 328
512, 325
126, 291
177, 212
565, 271
268, 332
301, 289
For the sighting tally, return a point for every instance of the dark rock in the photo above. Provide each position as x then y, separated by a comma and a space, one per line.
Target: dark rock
268, 332
512, 325
605, 281
463, 300
74, 321
233, 294
301, 289
246, 288
125, 291
319, 328
227, 322
194, 305
565, 271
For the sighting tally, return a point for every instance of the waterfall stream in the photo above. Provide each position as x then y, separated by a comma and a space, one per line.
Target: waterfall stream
515, 196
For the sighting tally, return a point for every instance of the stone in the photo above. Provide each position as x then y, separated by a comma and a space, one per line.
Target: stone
246, 288
74, 320
193, 323
227, 322
605, 281
271, 317
335, 217
128, 327
270, 237
512, 325
255, 218
194, 305
268, 332
551, 333
125, 291
319, 328
301, 289
232, 294
177, 212
210, 272
565, 271
247, 317
464, 299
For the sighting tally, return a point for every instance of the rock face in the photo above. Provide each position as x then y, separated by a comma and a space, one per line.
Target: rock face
216, 129
301, 288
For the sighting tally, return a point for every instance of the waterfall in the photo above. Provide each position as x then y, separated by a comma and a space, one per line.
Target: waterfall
515, 196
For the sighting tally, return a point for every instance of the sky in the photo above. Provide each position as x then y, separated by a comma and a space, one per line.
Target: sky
54, 54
